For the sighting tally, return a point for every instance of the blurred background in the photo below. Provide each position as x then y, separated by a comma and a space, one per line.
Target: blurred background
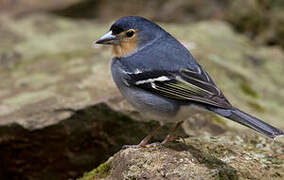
60, 113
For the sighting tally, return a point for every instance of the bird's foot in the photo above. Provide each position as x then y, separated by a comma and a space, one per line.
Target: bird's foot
143, 143
142, 146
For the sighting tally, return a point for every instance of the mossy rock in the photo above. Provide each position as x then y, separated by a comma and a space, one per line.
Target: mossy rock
223, 157
102, 171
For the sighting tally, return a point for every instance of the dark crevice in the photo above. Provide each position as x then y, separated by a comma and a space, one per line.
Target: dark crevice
84, 9
71, 147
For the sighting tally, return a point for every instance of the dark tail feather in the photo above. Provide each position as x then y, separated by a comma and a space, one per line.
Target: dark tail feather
249, 121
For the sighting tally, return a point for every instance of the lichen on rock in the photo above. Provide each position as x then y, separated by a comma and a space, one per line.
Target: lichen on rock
222, 157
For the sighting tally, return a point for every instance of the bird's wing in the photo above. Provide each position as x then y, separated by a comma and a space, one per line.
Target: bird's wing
183, 85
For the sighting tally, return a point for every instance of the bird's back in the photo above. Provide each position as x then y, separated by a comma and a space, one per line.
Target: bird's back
161, 54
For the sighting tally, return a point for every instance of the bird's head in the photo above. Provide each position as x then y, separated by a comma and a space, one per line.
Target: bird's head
130, 33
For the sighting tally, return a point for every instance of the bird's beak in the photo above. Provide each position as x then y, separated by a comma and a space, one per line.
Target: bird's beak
108, 38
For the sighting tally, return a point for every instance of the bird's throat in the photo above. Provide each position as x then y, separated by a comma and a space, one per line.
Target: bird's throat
124, 48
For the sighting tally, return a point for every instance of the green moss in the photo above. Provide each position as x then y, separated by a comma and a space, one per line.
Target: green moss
74, 53
256, 106
26, 98
245, 87
101, 171
220, 121
38, 80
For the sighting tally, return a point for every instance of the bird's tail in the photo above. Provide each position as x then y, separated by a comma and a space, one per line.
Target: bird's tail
249, 121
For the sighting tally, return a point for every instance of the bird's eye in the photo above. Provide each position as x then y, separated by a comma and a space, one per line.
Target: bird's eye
130, 33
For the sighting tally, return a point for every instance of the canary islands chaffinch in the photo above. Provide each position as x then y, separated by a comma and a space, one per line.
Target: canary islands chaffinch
161, 78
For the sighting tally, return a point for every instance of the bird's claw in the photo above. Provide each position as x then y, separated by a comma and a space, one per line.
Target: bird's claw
142, 146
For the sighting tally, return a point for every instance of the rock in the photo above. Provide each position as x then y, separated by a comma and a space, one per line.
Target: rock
261, 20
61, 114
72, 146
223, 157
184, 10
21, 7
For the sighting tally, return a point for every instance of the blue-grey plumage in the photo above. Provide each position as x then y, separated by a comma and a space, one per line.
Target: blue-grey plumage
156, 107
159, 76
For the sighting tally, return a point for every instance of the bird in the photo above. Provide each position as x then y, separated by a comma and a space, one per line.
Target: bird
161, 79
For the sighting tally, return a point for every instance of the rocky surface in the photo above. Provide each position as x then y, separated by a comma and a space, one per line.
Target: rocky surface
61, 115
22, 7
71, 146
260, 20
224, 157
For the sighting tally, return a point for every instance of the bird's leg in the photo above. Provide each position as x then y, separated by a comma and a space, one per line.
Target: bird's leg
171, 135
144, 142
